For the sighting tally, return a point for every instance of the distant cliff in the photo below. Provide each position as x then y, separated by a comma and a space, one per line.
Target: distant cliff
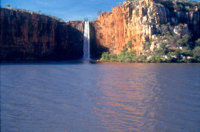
27, 36
143, 26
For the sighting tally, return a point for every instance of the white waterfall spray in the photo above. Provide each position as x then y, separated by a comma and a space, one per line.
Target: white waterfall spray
86, 44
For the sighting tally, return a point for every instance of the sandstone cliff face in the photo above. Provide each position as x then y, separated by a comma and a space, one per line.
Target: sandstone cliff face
30, 36
137, 23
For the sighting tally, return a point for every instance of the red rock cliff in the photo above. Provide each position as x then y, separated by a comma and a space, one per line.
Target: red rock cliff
140, 21
31, 36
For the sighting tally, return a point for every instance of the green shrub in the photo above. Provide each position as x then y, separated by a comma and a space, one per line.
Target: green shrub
147, 45
113, 58
196, 51
157, 56
177, 53
124, 49
158, 59
196, 58
129, 44
186, 52
134, 58
105, 56
184, 40
197, 42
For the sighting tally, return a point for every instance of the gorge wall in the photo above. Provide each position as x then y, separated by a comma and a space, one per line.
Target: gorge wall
140, 26
27, 36
138, 22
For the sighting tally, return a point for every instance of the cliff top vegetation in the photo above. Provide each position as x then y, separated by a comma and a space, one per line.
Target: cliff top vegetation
39, 12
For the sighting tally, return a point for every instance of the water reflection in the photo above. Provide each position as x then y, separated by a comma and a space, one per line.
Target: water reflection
78, 97
134, 99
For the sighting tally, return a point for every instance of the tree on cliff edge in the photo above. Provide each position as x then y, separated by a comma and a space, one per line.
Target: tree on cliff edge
7, 5
99, 12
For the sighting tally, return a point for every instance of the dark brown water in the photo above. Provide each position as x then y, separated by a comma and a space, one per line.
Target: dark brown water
75, 97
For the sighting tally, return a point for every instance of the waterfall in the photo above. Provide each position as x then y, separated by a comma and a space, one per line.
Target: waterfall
86, 44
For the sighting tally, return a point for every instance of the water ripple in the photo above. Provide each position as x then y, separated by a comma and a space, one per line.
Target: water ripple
103, 97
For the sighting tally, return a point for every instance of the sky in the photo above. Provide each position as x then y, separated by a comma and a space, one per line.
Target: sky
65, 9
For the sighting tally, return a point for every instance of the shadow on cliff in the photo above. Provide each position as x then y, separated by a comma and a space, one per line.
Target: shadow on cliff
71, 50
68, 45
96, 50
33, 37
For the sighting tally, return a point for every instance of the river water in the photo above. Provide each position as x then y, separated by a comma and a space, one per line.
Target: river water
84, 97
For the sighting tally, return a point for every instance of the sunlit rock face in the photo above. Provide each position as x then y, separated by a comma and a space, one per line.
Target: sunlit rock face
31, 36
140, 22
